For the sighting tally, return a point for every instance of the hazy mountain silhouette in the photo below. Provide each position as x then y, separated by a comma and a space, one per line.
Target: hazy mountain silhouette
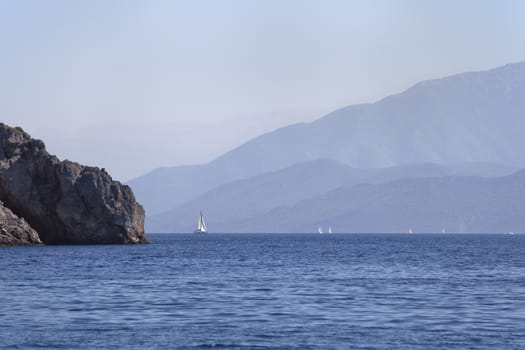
253, 197
456, 204
469, 117
137, 148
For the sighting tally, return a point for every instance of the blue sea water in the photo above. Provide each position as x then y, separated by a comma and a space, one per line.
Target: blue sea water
268, 291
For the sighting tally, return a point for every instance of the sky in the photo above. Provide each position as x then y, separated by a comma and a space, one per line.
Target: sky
132, 85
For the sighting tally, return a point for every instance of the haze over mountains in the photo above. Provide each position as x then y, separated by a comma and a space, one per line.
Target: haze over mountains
232, 206
137, 149
466, 118
428, 205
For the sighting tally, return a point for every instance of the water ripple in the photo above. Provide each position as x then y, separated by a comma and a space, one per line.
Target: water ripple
268, 292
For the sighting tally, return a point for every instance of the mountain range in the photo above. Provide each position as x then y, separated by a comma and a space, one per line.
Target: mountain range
426, 205
246, 199
468, 118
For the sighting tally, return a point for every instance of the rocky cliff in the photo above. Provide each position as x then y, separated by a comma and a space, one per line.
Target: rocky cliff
65, 202
14, 230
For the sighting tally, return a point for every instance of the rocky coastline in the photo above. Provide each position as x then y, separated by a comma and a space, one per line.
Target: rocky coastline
48, 201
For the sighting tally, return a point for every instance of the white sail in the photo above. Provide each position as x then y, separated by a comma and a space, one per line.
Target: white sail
410, 230
320, 229
199, 222
201, 225
330, 229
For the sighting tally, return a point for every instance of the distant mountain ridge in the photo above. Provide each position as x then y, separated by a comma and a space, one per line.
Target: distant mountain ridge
249, 198
469, 117
450, 120
426, 205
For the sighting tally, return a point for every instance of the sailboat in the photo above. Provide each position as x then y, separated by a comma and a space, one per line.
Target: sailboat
410, 230
330, 229
201, 225
320, 229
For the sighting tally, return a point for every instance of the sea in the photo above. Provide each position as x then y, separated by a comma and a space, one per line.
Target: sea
268, 291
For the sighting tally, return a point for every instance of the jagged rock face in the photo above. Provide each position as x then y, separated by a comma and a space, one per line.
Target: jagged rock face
65, 202
14, 230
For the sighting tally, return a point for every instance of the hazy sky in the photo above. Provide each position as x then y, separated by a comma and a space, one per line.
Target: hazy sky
70, 65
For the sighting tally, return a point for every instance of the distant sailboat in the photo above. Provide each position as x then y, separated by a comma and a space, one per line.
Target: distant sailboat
330, 229
443, 230
410, 230
201, 225
320, 229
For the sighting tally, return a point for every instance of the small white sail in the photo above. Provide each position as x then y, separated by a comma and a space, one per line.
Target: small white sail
199, 221
320, 229
443, 230
330, 229
201, 225
410, 230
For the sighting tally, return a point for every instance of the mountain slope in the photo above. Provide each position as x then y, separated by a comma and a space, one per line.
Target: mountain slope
457, 204
256, 195
252, 197
470, 117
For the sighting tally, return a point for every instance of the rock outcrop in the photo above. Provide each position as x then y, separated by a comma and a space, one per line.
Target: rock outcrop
14, 230
65, 202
